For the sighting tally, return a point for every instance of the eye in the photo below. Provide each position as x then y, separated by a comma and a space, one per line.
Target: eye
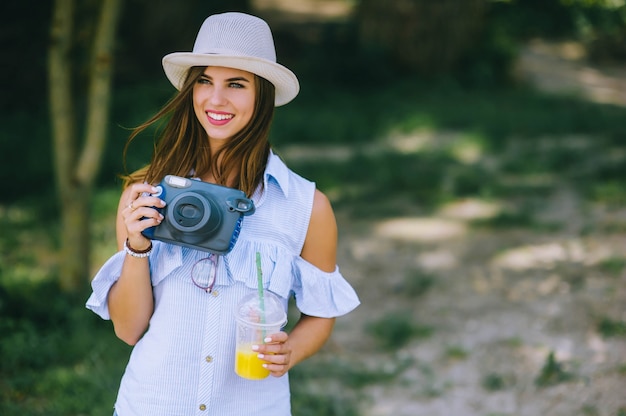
236, 85
203, 80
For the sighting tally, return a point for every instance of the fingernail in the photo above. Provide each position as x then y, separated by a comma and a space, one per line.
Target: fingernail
255, 348
268, 339
264, 365
261, 356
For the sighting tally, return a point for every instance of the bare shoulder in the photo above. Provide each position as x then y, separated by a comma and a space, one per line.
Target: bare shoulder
322, 207
320, 245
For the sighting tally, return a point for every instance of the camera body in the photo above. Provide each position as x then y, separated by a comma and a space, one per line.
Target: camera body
200, 215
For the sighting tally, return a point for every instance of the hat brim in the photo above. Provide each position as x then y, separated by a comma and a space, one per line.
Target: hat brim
285, 82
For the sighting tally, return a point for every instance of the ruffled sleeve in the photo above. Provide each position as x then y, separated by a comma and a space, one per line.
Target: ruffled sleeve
322, 294
101, 284
317, 293
164, 259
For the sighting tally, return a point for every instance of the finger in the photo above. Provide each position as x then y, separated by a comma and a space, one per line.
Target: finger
152, 219
145, 201
143, 217
276, 337
151, 201
137, 191
275, 359
276, 370
279, 348
132, 206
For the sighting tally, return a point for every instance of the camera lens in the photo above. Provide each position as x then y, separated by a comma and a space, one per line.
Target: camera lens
193, 215
189, 212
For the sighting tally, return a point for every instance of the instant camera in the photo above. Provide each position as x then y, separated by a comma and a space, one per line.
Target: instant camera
200, 215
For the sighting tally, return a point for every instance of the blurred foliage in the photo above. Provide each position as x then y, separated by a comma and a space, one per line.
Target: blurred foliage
416, 283
149, 30
599, 24
52, 349
494, 382
529, 133
396, 329
611, 328
553, 372
612, 266
420, 35
476, 41
533, 137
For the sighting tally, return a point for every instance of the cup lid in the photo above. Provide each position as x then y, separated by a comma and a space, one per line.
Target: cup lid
265, 311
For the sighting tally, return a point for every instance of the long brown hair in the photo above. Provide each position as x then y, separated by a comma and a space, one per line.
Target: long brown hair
183, 147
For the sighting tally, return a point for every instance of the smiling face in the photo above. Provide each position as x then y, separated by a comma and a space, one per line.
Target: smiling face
223, 100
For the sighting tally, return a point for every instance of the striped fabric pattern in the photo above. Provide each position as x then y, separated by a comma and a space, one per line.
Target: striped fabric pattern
184, 363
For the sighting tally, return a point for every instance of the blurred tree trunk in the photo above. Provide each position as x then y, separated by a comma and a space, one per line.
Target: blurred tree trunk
424, 36
76, 167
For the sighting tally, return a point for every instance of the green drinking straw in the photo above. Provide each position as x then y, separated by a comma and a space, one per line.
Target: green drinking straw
259, 274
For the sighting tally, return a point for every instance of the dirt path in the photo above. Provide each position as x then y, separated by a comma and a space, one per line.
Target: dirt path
562, 68
501, 302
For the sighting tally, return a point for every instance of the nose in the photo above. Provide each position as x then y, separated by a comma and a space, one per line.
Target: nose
217, 96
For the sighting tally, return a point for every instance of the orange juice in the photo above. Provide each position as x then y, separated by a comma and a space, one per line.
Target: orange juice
249, 365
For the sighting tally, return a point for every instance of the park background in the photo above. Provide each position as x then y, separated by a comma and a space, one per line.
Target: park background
475, 153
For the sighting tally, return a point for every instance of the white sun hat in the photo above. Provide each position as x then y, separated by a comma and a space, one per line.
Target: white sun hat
235, 40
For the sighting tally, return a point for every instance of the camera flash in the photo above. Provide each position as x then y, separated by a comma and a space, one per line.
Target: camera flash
178, 182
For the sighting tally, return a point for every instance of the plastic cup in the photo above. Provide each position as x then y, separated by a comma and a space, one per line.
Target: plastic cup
256, 319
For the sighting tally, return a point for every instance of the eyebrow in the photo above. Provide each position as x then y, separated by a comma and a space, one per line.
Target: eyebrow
234, 79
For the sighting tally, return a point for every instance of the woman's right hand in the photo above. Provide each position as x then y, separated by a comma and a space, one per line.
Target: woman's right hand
137, 212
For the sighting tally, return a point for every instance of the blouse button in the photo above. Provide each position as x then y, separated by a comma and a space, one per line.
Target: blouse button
215, 293
209, 359
203, 407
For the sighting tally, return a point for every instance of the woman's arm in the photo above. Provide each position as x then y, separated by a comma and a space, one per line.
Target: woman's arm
130, 299
310, 333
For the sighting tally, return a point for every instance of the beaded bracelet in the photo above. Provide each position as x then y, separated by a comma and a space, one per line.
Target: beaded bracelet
137, 253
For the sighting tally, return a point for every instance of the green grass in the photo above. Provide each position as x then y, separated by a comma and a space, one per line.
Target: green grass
494, 382
553, 372
417, 283
58, 359
396, 329
455, 353
610, 328
499, 143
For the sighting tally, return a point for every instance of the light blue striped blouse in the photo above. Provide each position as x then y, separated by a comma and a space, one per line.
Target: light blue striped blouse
184, 363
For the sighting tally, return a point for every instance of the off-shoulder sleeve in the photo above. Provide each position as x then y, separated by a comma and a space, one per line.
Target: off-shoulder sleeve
322, 294
101, 284
164, 259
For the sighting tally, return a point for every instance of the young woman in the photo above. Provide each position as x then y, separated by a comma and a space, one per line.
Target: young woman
216, 131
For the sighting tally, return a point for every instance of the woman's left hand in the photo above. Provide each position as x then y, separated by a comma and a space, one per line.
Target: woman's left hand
276, 352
